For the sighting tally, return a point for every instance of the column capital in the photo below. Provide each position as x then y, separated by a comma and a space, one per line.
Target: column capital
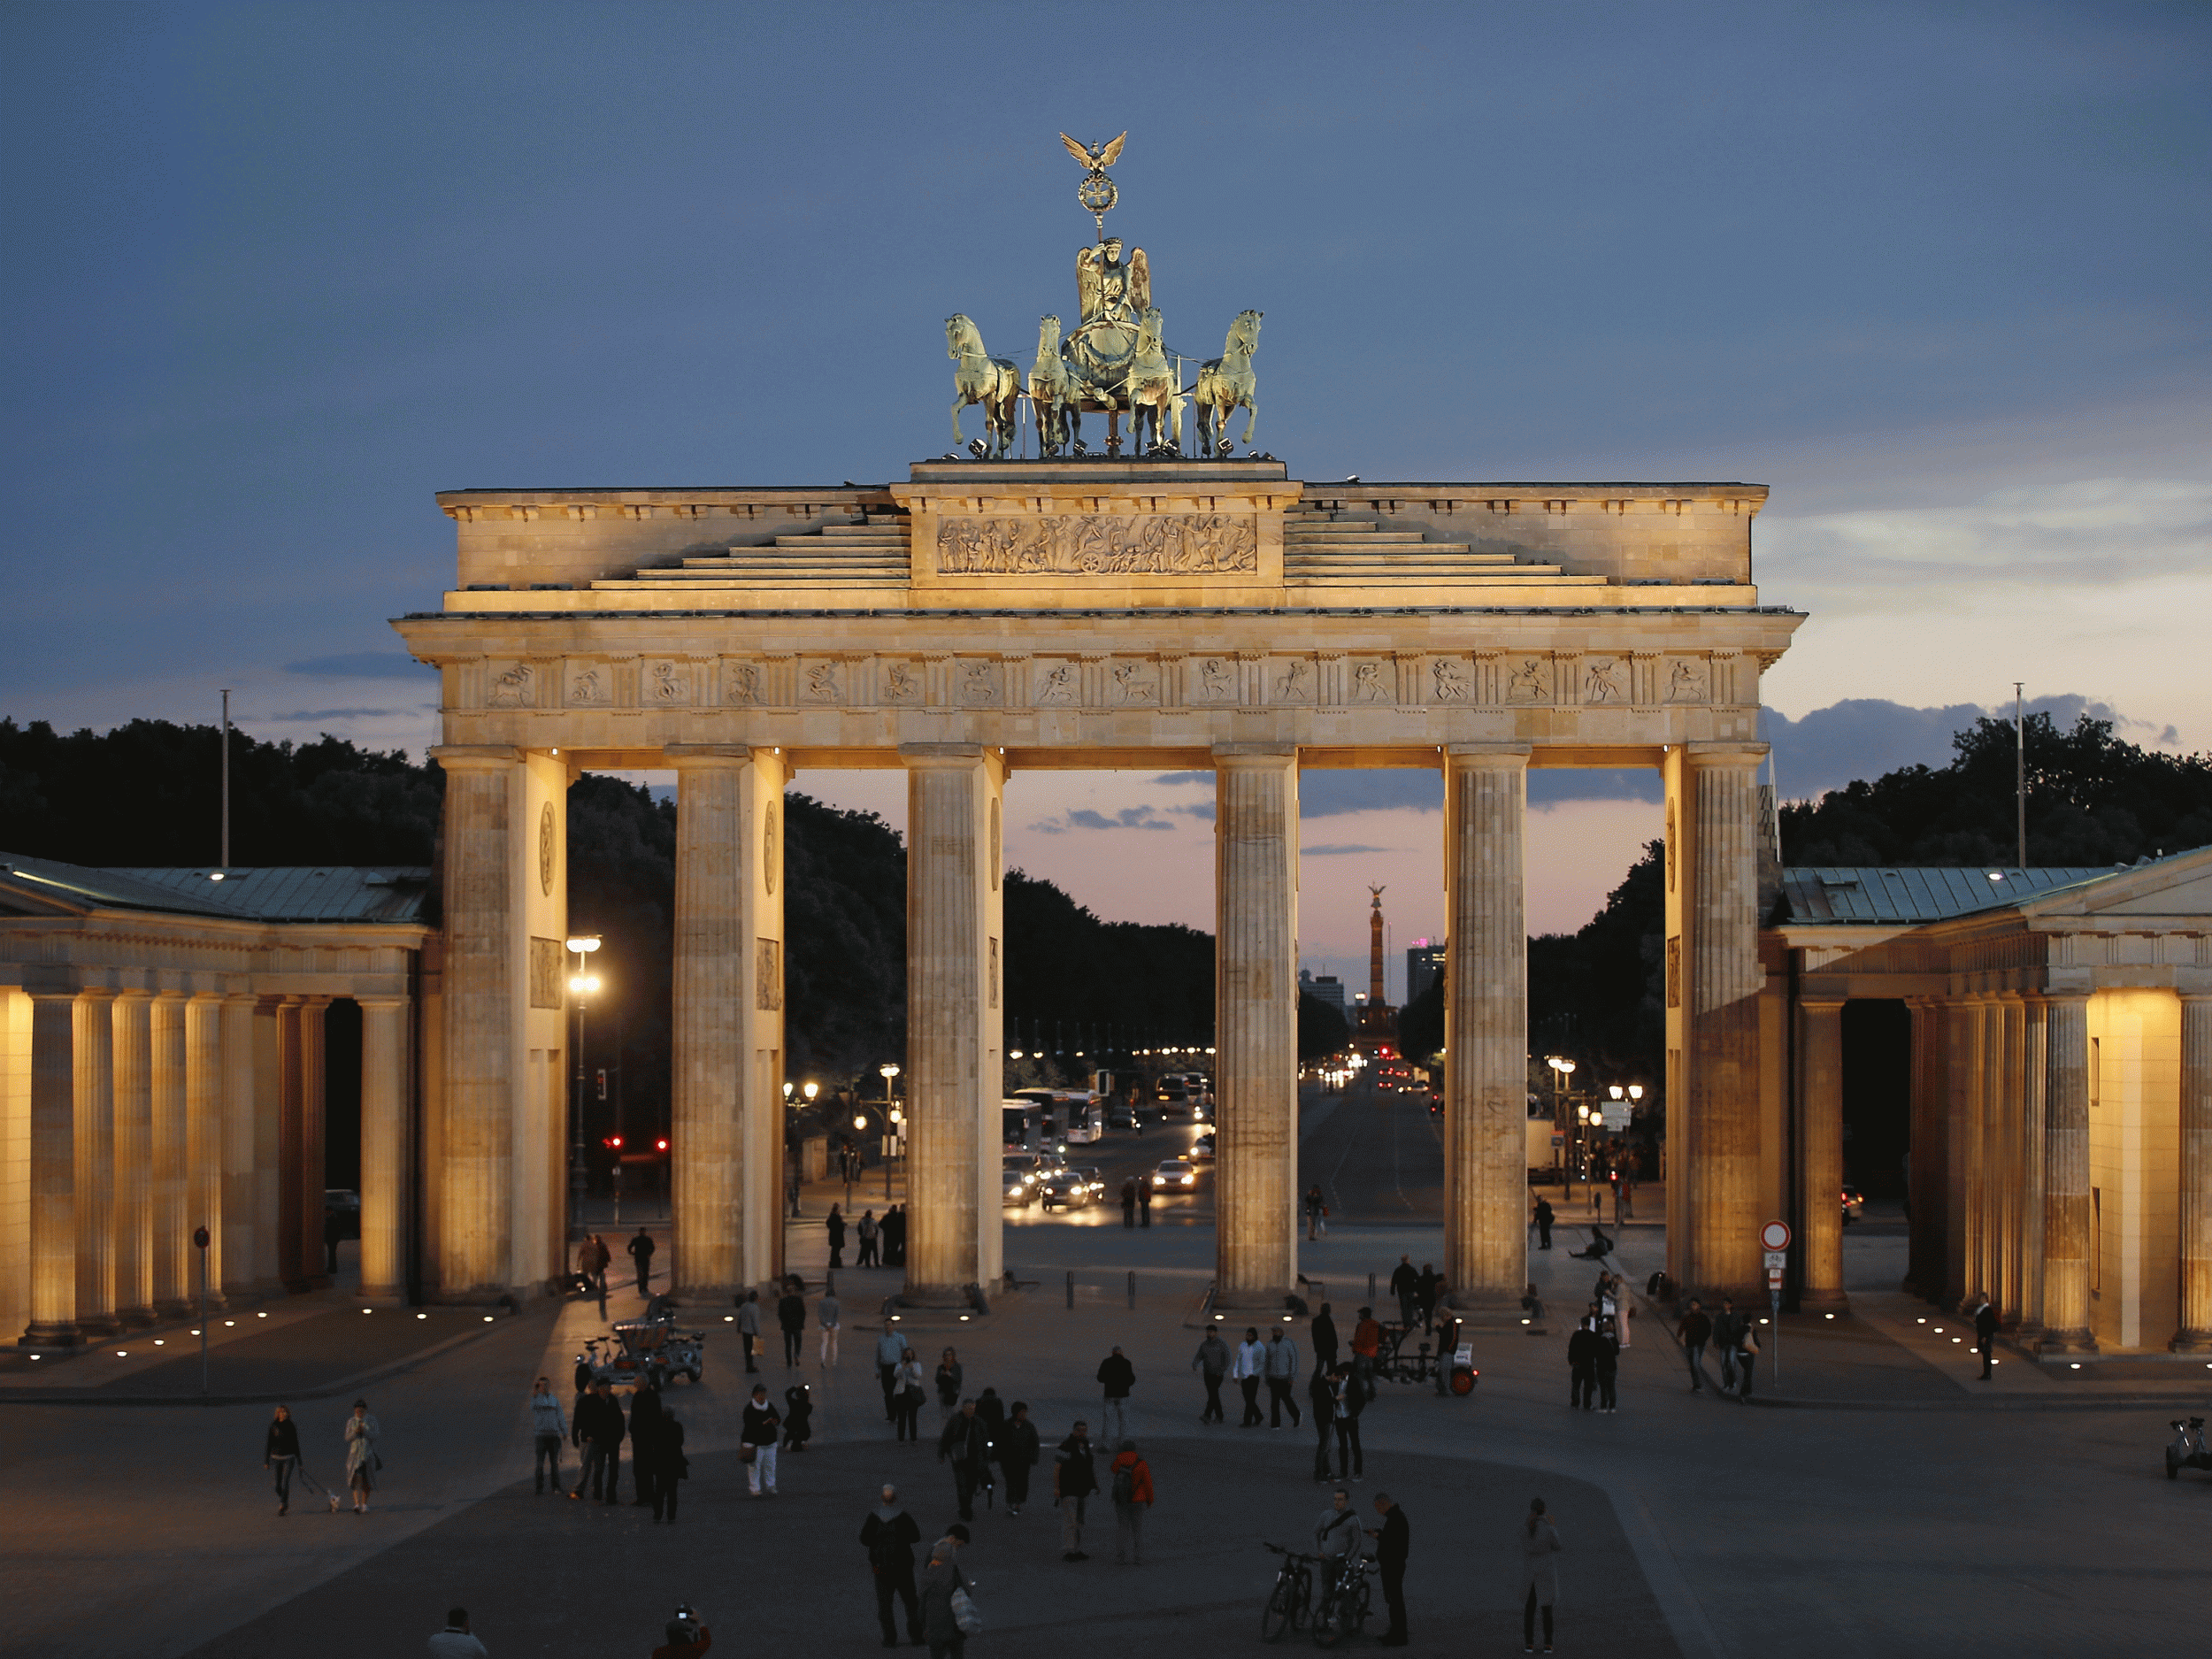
682, 755
1257, 756
476, 756
1724, 754
374, 1000
1487, 757
1821, 1004
2067, 999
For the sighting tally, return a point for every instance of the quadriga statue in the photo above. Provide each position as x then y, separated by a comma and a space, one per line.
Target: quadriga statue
980, 377
1226, 382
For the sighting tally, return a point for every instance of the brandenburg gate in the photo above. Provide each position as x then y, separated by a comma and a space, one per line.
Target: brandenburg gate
992, 614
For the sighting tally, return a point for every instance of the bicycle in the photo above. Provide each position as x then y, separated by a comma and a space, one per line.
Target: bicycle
1345, 1603
1290, 1603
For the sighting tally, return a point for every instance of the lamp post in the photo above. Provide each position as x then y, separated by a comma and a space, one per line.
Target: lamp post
1562, 1069
896, 1137
581, 984
886, 1071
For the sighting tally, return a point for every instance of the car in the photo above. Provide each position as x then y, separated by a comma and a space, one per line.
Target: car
1070, 1189
1202, 1149
1854, 1205
1022, 1172
1121, 1115
1174, 1176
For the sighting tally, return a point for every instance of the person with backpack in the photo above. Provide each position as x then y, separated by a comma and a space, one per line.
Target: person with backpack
1132, 1488
1074, 1478
871, 1232
890, 1536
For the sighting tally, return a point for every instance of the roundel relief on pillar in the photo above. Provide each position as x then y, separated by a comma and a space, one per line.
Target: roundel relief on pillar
545, 850
771, 855
994, 846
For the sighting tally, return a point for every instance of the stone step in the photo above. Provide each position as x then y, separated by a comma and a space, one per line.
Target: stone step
1519, 576
873, 539
872, 529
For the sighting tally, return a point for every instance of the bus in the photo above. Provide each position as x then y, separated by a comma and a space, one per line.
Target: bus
1021, 1125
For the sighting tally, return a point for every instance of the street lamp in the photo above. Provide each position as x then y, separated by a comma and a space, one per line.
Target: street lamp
810, 1091
888, 1072
581, 984
1562, 1069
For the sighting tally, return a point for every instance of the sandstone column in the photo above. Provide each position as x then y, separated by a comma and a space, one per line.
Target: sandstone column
481, 998
2196, 1172
383, 1150
271, 1093
1990, 1166
1923, 1275
1485, 1026
53, 1158
236, 1053
2011, 1161
1820, 1152
291, 1111
1961, 1024
954, 1022
133, 1200
1256, 1025
170, 1241
2066, 1176
204, 1196
726, 1143
1713, 976
309, 1172
95, 1148
2035, 1044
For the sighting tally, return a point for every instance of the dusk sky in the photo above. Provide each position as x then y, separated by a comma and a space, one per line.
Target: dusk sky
1936, 273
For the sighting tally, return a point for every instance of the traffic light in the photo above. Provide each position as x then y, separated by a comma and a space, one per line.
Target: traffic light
614, 1144
602, 1082
661, 1145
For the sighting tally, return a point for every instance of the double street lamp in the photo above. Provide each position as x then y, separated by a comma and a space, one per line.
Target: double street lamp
582, 985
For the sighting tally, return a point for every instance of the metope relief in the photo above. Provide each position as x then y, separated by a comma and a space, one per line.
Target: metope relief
742, 686
1136, 684
590, 687
1372, 684
1059, 686
823, 684
1604, 681
1448, 678
901, 683
1528, 680
1687, 682
517, 689
668, 682
1093, 544
978, 684
1295, 683
1217, 680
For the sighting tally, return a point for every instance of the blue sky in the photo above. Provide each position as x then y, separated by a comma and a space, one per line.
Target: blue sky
1934, 273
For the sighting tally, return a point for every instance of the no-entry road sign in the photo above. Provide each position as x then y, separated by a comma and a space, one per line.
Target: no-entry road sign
1775, 1235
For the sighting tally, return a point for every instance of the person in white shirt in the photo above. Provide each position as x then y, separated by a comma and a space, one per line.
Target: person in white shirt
1249, 1367
455, 1642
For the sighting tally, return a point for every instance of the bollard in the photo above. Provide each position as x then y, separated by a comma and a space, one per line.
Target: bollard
1071, 1290
1133, 1287
1371, 1289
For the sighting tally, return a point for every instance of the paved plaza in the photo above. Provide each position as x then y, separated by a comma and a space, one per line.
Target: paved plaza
1878, 1499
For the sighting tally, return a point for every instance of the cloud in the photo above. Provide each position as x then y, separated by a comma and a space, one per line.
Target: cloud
298, 715
1330, 849
1864, 737
1138, 817
360, 666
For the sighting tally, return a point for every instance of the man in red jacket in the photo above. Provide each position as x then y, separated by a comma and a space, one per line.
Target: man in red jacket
1130, 1480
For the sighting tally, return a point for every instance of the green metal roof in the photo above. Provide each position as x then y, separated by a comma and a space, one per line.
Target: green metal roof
1903, 895
326, 893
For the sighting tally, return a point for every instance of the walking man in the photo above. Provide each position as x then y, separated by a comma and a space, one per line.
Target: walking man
967, 1447
1282, 1374
749, 1327
1250, 1367
1118, 1377
548, 1428
1394, 1540
870, 1232
761, 1423
890, 1350
826, 1313
1728, 1336
642, 1253
1352, 1395
1211, 1363
1324, 1340
791, 1316
1985, 1334
1606, 1355
1582, 1368
1017, 1456
836, 1227
598, 1430
889, 1536
1695, 1330
1544, 1217
1132, 1496
1317, 1206
1074, 1478
1144, 1203
1405, 1285
1129, 1203
1321, 1397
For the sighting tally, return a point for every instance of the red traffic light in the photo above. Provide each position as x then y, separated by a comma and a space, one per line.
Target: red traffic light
615, 1142
661, 1145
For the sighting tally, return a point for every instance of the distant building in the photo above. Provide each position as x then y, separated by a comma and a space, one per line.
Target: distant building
1328, 990
1423, 962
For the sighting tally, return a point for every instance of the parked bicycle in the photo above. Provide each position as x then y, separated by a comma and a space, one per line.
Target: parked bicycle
1290, 1603
1346, 1601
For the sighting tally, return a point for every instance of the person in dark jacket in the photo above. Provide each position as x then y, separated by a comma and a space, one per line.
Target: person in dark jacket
1394, 1541
1017, 1450
889, 1536
798, 1416
597, 1429
1606, 1357
1405, 1286
967, 1447
1427, 1288
1986, 1335
1211, 1363
1116, 1376
1321, 1395
1353, 1392
1582, 1368
1696, 1331
280, 1456
940, 1628
1544, 1219
1325, 1340
1074, 1478
646, 1415
836, 1225
895, 1236
791, 1315
670, 1465
762, 1422
1129, 1203
642, 1248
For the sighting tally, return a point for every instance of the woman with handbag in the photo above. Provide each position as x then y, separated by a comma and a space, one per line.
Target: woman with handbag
948, 1618
907, 1394
361, 1463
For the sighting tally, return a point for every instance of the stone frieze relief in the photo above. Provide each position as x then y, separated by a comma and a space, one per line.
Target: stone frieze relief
1100, 544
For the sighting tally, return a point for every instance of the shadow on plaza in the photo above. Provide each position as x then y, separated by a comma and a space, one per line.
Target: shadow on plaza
546, 1575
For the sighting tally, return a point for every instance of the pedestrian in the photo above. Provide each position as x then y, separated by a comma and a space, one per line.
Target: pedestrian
1337, 1535
1728, 1338
281, 1452
1116, 1376
1132, 1489
1428, 1287
1747, 1359
871, 1235
1018, 1451
1074, 1478
1545, 1216
798, 1416
1352, 1395
895, 1236
909, 1397
940, 1582
1606, 1354
646, 1417
890, 1350
836, 1225
1317, 1208
759, 1440
1144, 1203
1129, 1203
791, 1315
457, 1640
1405, 1285
1986, 1335
597, 1429
792, 1185
1394, 1541
1540, 1544
749, 1328
1211, 1363
1282, 1376
966, 1445
670, 1465
1533, 1305
1624, 1310
362, 1462
826, 1314
889, 1536
1321, 1397
1582, 1367
1324, 1341
641, 1249
1695, 1330
1366, 1343
1249, 1368
591, 1279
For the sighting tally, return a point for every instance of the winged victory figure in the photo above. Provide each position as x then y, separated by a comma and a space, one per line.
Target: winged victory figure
1096, 158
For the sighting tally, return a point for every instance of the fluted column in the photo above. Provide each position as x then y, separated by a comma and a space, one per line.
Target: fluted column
304, 1171
1486, 1026
2066, 1176
132, 1195
1820, 1151
169, 1242
727, 991
1256, 1025
383, 1149
53, 1150
2196, 1172
2008, 1075
237, 1053
203, 1192
1990, 1162
1962, 1022
954, 1023
481, 1002
271, 1049
291, 1109
2035, 1081
1713, 1132
1926, 1195
94, 1147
